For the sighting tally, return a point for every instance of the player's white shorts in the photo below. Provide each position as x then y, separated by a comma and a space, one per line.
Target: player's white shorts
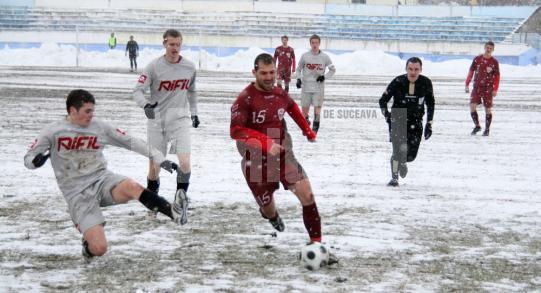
84, 207
176, 132
312, 99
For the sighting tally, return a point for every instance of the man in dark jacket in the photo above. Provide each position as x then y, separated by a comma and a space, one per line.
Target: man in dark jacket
410, 93
133, 49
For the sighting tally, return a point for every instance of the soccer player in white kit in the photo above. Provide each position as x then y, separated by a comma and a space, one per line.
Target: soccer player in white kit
311, 77
75, 145
170, 109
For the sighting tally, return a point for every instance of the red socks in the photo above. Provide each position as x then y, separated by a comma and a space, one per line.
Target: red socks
312, 222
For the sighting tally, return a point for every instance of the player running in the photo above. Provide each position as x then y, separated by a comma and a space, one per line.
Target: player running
284, 56
258, 126
172, 102
410, 93
311, 77
75, 145
485, 86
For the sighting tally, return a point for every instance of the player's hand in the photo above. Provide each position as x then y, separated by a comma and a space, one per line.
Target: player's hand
169, 166
149, 110
275, 149
195, 121
40, 159
467, 89
299, 83
320, 78
428, 130
494, 93
311, 136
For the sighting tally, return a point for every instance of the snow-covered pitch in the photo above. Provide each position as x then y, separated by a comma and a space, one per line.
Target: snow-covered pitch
466, 218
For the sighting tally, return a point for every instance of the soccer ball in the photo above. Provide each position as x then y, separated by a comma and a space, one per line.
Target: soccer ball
314, 256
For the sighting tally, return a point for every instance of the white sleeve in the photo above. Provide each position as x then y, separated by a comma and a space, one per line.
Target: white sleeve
300, 66
40, 146
332, 69
192, 95
119, 138
143, 84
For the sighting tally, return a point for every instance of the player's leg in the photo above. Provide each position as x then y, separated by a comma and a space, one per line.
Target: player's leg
312, 222
185, 171
287, 79
94, 241
293, 177
128, 189
181, 145
253, 170
415, 134
474, 101
156, 138
399, 132
135, 62
318, 104
306, 101
279, 77
487, 102
85, 212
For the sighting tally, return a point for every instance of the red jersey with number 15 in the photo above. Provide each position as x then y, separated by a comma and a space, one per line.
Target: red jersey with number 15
257, 117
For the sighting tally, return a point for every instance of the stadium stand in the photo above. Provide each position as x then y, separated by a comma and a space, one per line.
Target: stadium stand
355, 27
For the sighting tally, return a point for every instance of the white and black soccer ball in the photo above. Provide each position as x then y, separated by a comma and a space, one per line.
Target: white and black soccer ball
314, 256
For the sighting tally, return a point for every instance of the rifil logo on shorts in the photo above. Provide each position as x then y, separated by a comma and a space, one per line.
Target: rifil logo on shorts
77, 143
314, 66
171, 85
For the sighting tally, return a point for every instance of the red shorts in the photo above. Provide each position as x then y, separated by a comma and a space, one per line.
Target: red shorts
482, 96
263, 173
284, 74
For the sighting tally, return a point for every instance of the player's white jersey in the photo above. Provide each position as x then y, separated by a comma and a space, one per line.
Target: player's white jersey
77, 152
310, 67
172, 85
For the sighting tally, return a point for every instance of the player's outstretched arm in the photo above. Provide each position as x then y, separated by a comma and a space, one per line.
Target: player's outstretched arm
119, 138
39, 151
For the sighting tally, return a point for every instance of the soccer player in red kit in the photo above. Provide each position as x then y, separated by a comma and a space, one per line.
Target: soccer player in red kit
258, 126
284, 56
485, 86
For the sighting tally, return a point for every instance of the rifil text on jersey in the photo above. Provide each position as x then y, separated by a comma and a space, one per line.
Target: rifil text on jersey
171, 85
77, 143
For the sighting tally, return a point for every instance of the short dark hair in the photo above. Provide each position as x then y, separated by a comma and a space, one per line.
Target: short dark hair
414, 60
315, 37
490, 43
77, 98
284, 37
173, 33
264, 58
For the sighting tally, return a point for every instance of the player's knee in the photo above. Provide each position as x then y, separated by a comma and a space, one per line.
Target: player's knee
132, 188
97, 248
185, 166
